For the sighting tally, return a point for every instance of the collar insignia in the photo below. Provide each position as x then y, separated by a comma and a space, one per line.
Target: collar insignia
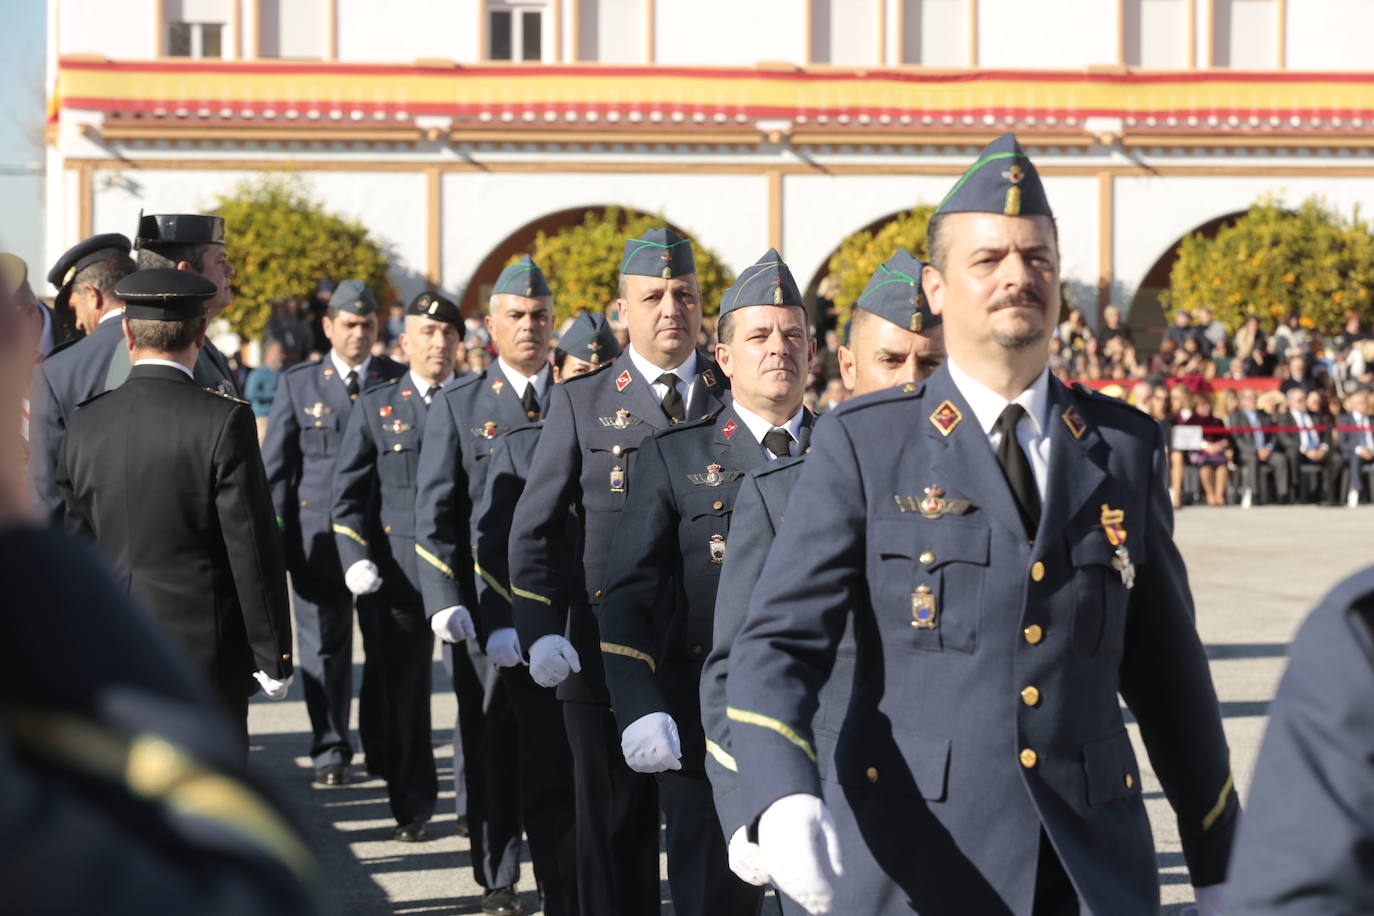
709, 377
407, 392
317, 410
729, 428
1074, 421
497, 385
946, 417
621, 420
933, 504
714, 476
384, 411
622, 380
328, 371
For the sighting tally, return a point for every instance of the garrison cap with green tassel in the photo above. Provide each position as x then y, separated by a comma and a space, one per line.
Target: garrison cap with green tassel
523, 278
660, 253
1003, 180
591, 339
894, 293
767, 281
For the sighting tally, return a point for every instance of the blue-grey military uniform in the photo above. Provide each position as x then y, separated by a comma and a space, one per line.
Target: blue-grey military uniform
304, 431
1303, 845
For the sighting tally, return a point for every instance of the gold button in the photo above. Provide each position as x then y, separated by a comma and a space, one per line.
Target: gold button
305, 503
872, 774
1030, 696
1029, 758
1130, 780
696, 650
397, 447
616, 450
1037, 571
319, 422
1033, 633
387, 529
286, 656
717, 505
927, 557
909, 387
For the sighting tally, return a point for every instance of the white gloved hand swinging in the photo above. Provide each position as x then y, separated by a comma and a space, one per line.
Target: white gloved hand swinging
274, 688
801, 850
745, 860
453, 624
503, 648
650, 744
363, 578
552, 659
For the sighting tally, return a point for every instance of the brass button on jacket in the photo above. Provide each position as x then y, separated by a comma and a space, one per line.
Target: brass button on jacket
872, 774
1029, 758
1037, 571
1030, 696
1033, 633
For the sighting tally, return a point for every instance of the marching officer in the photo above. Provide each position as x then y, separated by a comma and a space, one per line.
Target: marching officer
665, 562
1002, 548
892, 338
312, 405
85, 276
374, 528
460, 433
545, 762
197, 544
582, 468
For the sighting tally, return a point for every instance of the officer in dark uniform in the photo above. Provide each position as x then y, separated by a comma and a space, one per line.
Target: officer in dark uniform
374, 527
460, 433
560, 546
85, 277
665, 562
1303, 845
892, 338
313, 403
545, 762
1002, 548
181, 507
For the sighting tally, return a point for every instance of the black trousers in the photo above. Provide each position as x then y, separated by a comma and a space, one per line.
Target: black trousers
699, 873
617, 819
324, 636
404, 645
1054, 893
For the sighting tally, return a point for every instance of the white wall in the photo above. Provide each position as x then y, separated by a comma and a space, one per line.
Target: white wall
391, 31
1330, 34
123, 30
1064, 34
741, 33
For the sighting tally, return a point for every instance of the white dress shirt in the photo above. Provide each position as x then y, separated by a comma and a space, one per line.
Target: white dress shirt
114, 315
520, 382
344, 368
759, 427
424, 387
1032, 431
165, 362
686, 373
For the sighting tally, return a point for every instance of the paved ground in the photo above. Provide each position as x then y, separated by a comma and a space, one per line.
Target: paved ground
1254, 573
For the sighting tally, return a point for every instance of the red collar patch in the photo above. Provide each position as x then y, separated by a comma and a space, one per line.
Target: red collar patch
497, 385
623, 380
407, 393
328, 371
709, 378
728, 429
1074, 421
385, 411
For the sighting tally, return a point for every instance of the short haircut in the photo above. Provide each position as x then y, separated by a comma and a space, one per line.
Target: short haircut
725, 325
937, 240
172, 255
560, 356
106, 273
164, 336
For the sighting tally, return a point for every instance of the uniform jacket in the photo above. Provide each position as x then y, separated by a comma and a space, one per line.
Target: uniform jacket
582, 469
1304, 842
462, 429
665, 562
168, 479
299, 451
998, 713
507, 470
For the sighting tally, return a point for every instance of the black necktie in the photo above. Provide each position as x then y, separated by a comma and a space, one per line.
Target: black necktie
778, 441
351, 383
429, 394
672, 401
1017, 468
530, 402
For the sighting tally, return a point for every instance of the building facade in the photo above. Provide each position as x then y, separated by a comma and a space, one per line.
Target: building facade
455, 129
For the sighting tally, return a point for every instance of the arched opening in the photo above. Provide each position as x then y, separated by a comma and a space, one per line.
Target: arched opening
1146, 315
820, 308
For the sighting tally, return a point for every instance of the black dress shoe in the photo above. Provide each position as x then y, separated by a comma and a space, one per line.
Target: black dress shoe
461, 828
502, 901
414, 832
332, 774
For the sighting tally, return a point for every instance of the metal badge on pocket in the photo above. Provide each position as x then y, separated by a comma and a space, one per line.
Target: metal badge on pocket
924, 612
617, 479
717, 548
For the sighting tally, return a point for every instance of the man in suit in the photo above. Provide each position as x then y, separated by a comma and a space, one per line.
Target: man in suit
544, 759
1258, 447
313, 402
1357, 443
196, 544
665, 561
1307, 442
460, 433
374, 528
583, 466
85, 277
1001, 547
892, 338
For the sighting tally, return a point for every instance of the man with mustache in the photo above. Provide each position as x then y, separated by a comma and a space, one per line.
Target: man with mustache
583, 466
1001, 547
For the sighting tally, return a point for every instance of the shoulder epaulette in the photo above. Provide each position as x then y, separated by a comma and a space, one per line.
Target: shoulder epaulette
778, 465
887, 395
96, 397
304, 367
579, 379
227, 396
1095, 397
708, 420
62, 346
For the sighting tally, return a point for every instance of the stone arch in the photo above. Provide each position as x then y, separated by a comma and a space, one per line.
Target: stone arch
810, 291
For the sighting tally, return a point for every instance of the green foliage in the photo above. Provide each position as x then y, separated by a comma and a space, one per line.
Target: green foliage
582, 262
282, 242
1272, 261
861, 253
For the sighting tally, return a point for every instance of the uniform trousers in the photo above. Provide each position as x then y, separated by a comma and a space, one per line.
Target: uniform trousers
406, 646
617, 819
324, 655
699, 873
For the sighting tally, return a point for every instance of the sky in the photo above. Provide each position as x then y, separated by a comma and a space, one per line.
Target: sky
23, 45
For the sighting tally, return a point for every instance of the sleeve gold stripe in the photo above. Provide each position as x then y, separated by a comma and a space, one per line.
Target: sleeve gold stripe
722, 758
616, 649
491, 580
1220, 806
530, 595
434, 561
349, 533
762, 721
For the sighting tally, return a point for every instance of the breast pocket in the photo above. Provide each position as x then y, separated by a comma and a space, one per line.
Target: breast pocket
608, 466
927, 577
400, 455
320, 435
1100, 597
705, 529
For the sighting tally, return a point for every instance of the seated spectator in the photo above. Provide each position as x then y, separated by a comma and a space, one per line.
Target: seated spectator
1074, 330
1159, 407
1210, 460
1259, 364
1257, 447
827, 359
1351, 334
1249, 338
1357, 443
1112, 328
1307, 442
833, 396
1140, 396
1290, 337
1182, 329
1210, 331
1222, 357
1162, 363
1297, 376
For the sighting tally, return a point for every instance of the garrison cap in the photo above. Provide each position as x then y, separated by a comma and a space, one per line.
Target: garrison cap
165, 294
590, 338
660, 253
523, 278
433, 305
157, 229
82, 255
767, 281
894, 292
353, 296
1003, 180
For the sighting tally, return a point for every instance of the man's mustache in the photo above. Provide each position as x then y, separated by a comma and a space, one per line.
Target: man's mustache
1020, 299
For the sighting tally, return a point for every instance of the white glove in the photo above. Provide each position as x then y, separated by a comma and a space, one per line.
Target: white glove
274, 688
650, 744
745, 860
362, 578
453, 624
801, 850
1212, 900
552, 659
503, 648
